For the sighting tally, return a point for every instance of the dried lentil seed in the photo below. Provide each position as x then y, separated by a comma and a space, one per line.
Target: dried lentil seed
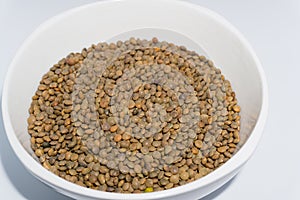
174, 179
184, 175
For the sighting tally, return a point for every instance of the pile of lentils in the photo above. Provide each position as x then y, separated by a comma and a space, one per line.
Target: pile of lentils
134, 116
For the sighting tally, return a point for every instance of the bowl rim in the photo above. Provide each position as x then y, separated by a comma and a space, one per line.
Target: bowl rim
43, 174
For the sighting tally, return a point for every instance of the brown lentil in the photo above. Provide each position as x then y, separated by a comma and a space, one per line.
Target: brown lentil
145, 144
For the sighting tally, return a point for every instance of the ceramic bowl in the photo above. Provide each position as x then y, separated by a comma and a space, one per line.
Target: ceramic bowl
196, 27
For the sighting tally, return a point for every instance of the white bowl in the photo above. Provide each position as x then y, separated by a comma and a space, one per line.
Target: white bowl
181, 23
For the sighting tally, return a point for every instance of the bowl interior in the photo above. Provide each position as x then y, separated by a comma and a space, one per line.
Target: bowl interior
180, 23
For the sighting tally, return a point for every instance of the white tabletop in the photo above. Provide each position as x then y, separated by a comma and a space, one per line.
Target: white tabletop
273, 29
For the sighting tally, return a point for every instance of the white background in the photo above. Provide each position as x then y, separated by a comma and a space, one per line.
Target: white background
273, 29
